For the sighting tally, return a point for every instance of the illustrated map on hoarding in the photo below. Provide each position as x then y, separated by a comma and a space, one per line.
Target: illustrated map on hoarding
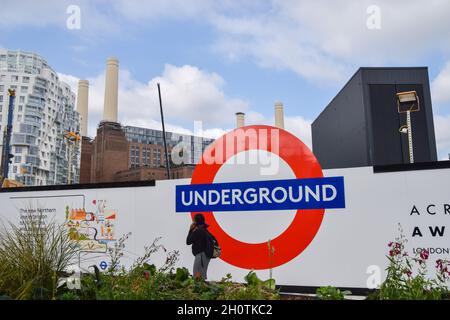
90, 223
93, 230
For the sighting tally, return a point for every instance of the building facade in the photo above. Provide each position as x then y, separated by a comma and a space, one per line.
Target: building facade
146, 147
134, 154
109, 153
155, 173
44, 110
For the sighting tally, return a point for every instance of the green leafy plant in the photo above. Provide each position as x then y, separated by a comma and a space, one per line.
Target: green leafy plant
69, 295
407, 277
253, 280
331, 293
33, 257
145, 281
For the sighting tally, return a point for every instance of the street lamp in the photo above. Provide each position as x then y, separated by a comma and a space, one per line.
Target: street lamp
408, 102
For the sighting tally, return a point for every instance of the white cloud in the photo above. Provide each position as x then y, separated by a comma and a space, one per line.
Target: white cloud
297, 125
32, 13
319, 40
96, 22
147, 11
440, 88
440, 91
325, 40
72, 81
300, 127
322, 41
442, 129
188, 93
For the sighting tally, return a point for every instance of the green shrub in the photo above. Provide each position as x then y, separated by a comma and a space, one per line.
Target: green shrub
33, 257
254, 289
144, 281
69, 295
407, 276
331, 293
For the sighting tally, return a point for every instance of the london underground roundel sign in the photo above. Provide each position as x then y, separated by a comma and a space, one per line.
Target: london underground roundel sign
310, 194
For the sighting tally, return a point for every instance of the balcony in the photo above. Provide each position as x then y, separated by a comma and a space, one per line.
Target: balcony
23, 139
33, 113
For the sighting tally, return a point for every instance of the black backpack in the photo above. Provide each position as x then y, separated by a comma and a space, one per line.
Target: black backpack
212, 249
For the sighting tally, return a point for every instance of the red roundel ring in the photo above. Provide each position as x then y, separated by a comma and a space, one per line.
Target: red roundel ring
305, 224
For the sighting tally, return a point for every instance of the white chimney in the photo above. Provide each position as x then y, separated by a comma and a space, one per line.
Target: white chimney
111, 90
82, 105
279, 116
240, 119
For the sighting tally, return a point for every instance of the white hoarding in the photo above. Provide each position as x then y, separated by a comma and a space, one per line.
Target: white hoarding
349, 243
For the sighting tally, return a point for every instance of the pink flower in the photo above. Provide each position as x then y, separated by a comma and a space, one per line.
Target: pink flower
394, 252
424, 254
390, 244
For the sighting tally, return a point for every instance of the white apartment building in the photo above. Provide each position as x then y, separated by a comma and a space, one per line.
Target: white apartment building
44, 110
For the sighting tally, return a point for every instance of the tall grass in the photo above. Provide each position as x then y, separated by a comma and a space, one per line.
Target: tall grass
33, 257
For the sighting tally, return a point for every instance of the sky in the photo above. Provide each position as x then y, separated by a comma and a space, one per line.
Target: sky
215, 58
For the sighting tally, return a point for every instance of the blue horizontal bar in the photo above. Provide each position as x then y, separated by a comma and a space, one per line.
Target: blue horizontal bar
314, 193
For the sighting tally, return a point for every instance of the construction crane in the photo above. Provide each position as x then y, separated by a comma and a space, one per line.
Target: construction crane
72, 139
6, 152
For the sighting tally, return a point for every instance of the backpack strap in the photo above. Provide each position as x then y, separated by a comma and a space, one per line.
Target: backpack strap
212, 236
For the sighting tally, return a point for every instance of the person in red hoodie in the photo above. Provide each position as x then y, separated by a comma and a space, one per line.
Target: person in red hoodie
198, 237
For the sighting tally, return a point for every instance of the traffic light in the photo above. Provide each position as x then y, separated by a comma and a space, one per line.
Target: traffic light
10, 156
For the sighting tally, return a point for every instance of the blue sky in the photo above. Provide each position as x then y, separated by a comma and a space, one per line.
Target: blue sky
214, 58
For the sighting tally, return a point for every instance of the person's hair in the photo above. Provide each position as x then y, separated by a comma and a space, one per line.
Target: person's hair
199, 218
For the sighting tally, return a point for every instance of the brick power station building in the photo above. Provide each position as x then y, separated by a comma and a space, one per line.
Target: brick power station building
126, 153
114, 155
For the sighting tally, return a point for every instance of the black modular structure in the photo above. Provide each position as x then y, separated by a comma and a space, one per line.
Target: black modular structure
360, 126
